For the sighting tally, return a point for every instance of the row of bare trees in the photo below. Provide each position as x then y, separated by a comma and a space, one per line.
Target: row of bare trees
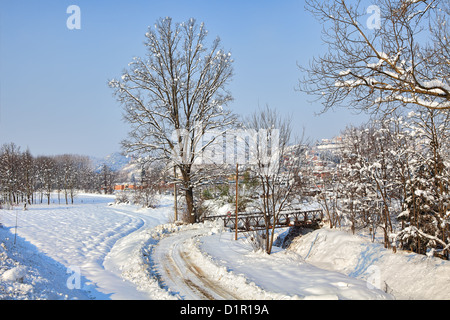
28, 179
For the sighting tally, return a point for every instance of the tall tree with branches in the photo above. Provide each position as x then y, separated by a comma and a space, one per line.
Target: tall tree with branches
173, 95
402, 59
276, 157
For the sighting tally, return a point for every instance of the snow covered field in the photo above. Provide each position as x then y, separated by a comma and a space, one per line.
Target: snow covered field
94, 250
85, 244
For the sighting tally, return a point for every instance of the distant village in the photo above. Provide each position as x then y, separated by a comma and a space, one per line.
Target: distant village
321, 158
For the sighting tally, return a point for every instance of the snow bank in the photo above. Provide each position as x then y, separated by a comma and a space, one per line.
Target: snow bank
15, 274
404, 275
140, 270
234, 282
282, 275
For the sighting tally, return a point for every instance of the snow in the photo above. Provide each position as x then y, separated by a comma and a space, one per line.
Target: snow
15, 274
91, 235
284, 274
344, 73
98, 250
404, 275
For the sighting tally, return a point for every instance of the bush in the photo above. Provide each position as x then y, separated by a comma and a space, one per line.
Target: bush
207, 195
122, 197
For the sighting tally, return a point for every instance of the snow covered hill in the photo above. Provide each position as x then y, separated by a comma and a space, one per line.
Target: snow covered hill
98, 250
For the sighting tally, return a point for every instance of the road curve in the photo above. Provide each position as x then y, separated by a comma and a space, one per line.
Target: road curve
178, 273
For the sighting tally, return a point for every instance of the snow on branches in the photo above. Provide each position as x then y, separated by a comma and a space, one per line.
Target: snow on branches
404, 62
179, 84
394, 175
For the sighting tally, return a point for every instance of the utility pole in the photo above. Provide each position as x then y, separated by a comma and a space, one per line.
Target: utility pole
175, 192
236, 222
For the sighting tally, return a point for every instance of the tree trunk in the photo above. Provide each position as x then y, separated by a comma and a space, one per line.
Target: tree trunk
191, 218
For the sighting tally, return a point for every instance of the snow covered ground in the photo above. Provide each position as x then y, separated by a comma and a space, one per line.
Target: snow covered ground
404, 275
74, 251
95, 250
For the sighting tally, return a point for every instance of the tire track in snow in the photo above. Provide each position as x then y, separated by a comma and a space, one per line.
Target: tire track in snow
83, 235
180, 275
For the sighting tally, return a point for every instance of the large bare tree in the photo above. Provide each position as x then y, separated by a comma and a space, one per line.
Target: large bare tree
175, 94
381, 55
276, 157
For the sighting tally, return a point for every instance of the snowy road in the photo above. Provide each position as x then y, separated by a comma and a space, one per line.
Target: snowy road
123, 252
197, 263
181, 274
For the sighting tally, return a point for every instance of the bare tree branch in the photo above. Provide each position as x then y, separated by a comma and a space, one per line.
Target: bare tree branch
405, 62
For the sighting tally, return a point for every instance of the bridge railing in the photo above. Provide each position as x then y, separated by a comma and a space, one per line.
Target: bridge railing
257, 221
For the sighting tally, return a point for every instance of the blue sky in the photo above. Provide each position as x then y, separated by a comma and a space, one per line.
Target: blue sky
54, 96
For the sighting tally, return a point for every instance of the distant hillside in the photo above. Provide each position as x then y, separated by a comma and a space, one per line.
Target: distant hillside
115, 161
